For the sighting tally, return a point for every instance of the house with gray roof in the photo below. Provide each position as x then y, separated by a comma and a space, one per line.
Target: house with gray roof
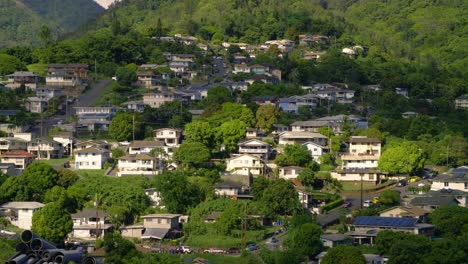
20, 213
90, 224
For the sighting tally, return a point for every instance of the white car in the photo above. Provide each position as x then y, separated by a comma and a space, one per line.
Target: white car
367, 203
185, 249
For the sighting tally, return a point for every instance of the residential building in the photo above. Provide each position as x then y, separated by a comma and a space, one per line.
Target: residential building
155, 226
147, 79
35, 104
297, 137
308, 39
137, 164
311, 126
20, 158
364, 153
456, 179
90, 224
20, 213
316, 150
246, 165
183, 57
402, 92
170, 136
144, 147
255, 147
434, 200
45, 148
46, 93
407, 211
265, 100
91, 158
8, 169
96, 118
364, 229
136, 106
79, 70
12, 143
290, 172
333, 240
262, 78
305, 198
155, 99
358, 175
62, 78
84, 144
339, 120
461, 102
409, 114
228, 188
28, 79
254, 133
66, 139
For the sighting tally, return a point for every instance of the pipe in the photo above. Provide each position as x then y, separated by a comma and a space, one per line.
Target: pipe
22, 247
21, 259
27, 236
50, 254
70, 255
39, 243
90, 260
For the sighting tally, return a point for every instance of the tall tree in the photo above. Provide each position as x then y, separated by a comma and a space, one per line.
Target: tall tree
192, 155
267, 116
123, 125
200, 132
52, 222
230, 133
305, 240
403, 158
344, 255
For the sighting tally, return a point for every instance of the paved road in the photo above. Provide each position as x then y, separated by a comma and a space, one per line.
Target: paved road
91, 95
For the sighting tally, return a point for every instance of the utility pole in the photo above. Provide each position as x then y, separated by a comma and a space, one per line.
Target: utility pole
42, 124
133, 126
361, 189
244, 228
95, 69
448, 155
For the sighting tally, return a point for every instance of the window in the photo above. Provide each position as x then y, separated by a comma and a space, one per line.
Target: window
371, 176
159, 220
446, 184
466, 185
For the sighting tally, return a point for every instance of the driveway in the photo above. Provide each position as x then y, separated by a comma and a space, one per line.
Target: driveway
94, 93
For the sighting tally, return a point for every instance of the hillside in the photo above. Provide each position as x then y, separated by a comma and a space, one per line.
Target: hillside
20, 20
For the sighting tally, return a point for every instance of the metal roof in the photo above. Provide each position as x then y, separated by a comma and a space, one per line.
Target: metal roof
385, 221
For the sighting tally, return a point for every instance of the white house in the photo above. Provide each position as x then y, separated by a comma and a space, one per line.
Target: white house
137, 164
96, 118
20, 158
364, 152
144, 146
228, 188
20, 213
155, 226
356, 175
35, 104
316, 150
297, 137
255, 147
8, 169
91, 158
45, 148
89, 224
66, 139
12, 143
290, 172
47, 93
456, 179
155, 99
62, 78
246, 165
170, 136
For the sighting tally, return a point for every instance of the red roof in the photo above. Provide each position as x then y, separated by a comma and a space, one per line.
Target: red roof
18, 154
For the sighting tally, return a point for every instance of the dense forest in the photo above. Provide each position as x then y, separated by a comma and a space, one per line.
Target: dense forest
20, 21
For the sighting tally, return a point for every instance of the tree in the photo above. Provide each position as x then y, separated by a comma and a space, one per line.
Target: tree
305, 240
403, 158
119, 250
126, 75
192, 154
307, 177
280, 198
267, 116
389, 197
10, 64
450, 221
52, 222
294, 155
117, 153
344, 255
230, 133
122, 126
217, 95
37, 178
228, 111
177, 193
200, 132
66, 178
46, 35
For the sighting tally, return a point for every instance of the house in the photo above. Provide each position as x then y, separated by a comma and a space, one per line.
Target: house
254, 133
96, 118
84, 144
305, 197
66, 139
290, 172
456, 179
246, 164
137, 164
310, 125
45, 148
308, 39
409, 114
371, 88
179, 67
241, 68
90, 224
136, 106
28, 79
20, 158
369, 258
289, 105
402, 92
79, 70
265, 100
8, 169
406, 211
12, 143
364, 229
255, 147
363, 152
461, 102
212, 217
91, 158
183, 57
46, 93
35, 104
147, 79
338, 120
144, 147
279, 128
20, 213
432, 201
155, 226
358, 175
228, 188
8, 115
155, 99
333, 240
170, 136
61, 79
297, 137
262, 78
316, 150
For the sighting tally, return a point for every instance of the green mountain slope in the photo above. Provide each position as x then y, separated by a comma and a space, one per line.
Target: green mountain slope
20, 20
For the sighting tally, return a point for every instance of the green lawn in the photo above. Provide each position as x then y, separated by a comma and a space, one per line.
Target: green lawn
95, 173
55, 162
40, 69
356, 187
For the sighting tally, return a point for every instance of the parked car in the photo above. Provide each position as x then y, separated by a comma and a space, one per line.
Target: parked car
402, 183
274, 240
375, 200
252, 247
213, 251
233, 251
346, 204
184, 250
414, 179
367, 203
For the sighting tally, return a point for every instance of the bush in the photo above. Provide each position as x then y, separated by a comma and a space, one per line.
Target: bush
332, 205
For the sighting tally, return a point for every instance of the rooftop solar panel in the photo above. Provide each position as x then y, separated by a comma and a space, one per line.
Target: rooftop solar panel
385, 221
